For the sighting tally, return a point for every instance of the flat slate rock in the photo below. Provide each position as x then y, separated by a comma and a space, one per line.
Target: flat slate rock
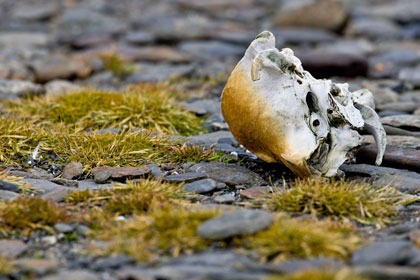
224, 198
6, 186
367, 170
395, 156
412, 121
224, 172
235, 223
200, 186
294, 265
209, 138
392, 252
185, 177
7, 195
123, 172
387, 272
72, 275
12, 248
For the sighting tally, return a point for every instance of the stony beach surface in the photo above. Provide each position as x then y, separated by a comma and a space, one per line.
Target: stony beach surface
116, 162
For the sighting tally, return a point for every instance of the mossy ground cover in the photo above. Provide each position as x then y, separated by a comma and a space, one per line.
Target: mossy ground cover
313, 274
97, 128
340, 199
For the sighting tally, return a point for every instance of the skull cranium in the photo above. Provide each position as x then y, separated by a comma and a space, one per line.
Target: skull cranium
281, 113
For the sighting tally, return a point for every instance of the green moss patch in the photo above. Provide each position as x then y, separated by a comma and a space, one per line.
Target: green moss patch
302, 238
314, 274
146, 106
341, 199
25, 214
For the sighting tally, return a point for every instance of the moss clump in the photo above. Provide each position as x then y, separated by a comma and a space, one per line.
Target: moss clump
195, 153
145, 106
6, 266
17, 139
302, 238
313, 274
162, 231
29, 213
361, 202
114, 63
129, 198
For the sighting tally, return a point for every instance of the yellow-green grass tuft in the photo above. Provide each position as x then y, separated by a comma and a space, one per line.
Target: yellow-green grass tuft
314, 274
6, 266
195, 153
164, 231
117, 65
29, 213
129, 198
302, 238
340, 199
144, 106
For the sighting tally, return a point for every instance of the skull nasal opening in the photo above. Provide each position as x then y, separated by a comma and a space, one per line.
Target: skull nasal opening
312, 102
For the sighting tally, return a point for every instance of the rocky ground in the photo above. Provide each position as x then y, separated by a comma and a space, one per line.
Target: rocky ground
68, 212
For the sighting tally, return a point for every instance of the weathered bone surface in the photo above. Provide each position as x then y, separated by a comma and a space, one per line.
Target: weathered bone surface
282, 114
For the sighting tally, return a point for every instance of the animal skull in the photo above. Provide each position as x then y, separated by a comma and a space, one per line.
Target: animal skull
281, 113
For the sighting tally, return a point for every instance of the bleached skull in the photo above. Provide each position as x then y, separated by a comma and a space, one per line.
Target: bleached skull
281, 113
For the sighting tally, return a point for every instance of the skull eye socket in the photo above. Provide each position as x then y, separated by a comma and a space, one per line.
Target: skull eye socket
316, 123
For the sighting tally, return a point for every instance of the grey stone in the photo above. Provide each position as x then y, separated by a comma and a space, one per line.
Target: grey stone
78, 274
39, 173
64, 228
90, 184
29, 39
36, 12
147, 72
405, 107
402, 183
224, 198
7, 195
367, 170
209, 258
123, 172
112, 262
55, 67
65, 182
303, 35
6, 186
211, 49
295, 265
374, 28
203, 106
57, 195
156, 172
43, 185
58, 87
209, 139
324, 63
185, 177
14, 89
39, 267
102, 177
72, 170
12, 248
391, 131
232, 173
139, 37
402, 121
410, 75
200, 186
387, 272
393, 252
235, 223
